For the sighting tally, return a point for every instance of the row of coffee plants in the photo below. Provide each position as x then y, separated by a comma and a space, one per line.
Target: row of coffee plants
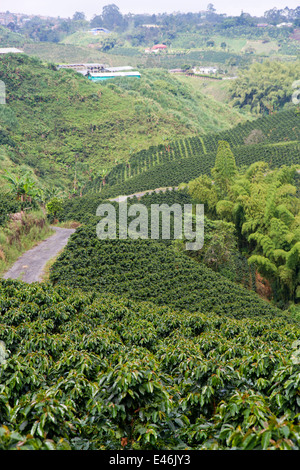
172, 173
247, 138
220, 236
95, 372
148, 270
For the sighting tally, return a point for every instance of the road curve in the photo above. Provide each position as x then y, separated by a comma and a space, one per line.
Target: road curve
142, 193
30, 266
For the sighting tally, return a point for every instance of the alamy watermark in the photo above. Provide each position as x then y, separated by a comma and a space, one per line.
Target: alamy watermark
140, 222
2, 92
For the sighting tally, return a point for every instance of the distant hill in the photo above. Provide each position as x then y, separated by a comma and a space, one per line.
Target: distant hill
70, 128
10, 39
274, 139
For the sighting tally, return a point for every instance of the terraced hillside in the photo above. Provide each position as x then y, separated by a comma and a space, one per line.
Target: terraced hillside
274, 139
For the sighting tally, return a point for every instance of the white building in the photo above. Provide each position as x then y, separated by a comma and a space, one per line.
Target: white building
10, 50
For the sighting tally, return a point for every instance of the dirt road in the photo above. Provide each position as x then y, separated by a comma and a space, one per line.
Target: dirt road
29, 267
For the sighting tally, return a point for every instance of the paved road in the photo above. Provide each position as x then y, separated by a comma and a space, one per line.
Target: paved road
141, 194
29, 267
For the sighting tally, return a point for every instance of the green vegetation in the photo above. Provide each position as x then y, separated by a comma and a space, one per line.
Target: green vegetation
142, 344
264, 206
11, 39
265, 87
147, 270
70, 128
198, 381
273, 139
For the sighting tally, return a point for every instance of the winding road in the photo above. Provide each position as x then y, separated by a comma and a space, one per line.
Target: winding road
30, 266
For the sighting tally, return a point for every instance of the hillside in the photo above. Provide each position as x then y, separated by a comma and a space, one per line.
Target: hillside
70, 128
150, 270
274, 139
11, 39
142, 342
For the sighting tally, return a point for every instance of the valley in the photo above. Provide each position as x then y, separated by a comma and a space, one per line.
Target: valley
134, 343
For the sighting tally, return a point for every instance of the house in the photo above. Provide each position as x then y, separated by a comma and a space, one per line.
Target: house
287, 25
97, 31
159, 47
109, 75
84, 68
125, 68
155, 49
149, 26
205, 70
10, 50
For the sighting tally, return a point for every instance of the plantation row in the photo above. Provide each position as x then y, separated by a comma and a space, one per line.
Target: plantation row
172, 173
277, 129
147, 270
84, 209
99, 372
234, 266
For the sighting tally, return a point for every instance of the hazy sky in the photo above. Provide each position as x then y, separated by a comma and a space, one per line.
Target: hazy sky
67, 8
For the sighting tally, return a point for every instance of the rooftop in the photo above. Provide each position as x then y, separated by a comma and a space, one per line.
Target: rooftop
9, 50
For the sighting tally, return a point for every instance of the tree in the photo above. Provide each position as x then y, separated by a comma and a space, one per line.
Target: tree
264, 87
24, 187
54, 207
264, 206
79, 16
202, 191
111, 16
225, 167
210, 8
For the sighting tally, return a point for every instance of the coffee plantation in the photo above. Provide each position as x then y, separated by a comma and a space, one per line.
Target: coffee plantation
98, 371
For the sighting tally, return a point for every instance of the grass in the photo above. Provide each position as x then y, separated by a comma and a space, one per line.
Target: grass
261, 47
45, 277
17, 237
58, 53
70, 126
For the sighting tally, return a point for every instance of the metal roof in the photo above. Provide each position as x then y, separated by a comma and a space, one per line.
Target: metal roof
118, 69
7, 50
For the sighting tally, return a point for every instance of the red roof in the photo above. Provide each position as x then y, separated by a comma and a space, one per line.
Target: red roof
159, 46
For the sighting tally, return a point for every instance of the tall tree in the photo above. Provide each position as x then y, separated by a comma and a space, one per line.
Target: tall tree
112, 17
225, 167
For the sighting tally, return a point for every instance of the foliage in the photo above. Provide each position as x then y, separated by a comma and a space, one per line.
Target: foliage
224, 169
8, 205
54, 207
24, 188
96, 372
149, 270
265, 87
68, 126
183, 160
264, 207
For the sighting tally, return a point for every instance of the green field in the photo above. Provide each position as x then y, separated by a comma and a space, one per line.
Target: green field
69, 126
145, 343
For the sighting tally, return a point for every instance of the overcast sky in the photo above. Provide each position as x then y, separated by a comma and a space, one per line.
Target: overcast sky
67, 8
